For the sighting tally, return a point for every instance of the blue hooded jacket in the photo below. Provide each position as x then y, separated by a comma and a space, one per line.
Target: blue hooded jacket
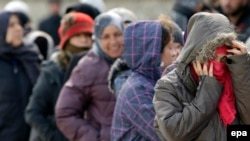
134, 111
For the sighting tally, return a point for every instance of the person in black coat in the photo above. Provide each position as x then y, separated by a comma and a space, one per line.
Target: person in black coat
51, 23
19, 65
75, 37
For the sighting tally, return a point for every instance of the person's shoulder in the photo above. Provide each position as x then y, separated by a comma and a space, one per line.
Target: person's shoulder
48, 19
88, 70
170, 77
43, 21
132, 88
93, 64
245, 18
51, 67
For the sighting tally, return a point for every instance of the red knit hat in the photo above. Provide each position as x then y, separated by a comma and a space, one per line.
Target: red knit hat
72, 24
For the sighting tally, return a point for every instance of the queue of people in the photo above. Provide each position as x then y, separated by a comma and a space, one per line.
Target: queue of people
109, 76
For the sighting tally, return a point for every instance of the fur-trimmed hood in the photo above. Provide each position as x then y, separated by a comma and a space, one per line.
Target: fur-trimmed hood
205, 32
46, 48
118, 68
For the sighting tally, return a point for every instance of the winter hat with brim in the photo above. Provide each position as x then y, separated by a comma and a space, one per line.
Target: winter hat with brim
72, 24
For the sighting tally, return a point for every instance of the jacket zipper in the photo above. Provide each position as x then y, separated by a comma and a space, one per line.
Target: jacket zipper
15, 70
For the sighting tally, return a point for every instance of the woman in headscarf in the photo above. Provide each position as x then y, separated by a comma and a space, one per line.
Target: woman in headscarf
75, 36
19, 65
85, 105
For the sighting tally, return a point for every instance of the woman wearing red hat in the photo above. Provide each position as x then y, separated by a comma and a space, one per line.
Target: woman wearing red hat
75, 34
85, 106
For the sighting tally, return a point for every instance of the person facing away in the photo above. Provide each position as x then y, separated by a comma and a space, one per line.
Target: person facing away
20, 67
43, 41
85, 106
127, 15
146, 46
182, 10
238, 13
75, 35
51, 23
98, 4
208, 89
84, 8
120, 71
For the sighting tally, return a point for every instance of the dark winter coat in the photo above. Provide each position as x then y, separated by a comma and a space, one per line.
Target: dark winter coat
50, 25
39, 113
20, 68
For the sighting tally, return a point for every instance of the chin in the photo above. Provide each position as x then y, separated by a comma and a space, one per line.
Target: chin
116, 54
16, 44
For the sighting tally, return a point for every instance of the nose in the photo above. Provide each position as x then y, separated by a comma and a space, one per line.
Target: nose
113, 40
83, 37
18, 27
176, 52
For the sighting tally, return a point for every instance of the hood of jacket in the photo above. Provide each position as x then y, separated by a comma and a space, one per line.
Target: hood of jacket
119, 68
43, 41
101, 22
26, 54
142, 47
205, 32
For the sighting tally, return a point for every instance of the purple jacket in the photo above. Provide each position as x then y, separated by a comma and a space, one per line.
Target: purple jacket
85, 105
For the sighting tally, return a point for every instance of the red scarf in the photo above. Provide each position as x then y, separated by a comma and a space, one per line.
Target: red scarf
226, 106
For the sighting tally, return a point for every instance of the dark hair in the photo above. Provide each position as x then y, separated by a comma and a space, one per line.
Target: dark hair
84, 8
23, 18
166, 38
167, 29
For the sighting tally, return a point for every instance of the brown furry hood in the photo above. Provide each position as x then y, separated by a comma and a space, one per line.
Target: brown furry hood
205, 32
207, 51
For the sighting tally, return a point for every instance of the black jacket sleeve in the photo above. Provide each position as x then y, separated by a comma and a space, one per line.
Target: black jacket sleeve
39, 112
